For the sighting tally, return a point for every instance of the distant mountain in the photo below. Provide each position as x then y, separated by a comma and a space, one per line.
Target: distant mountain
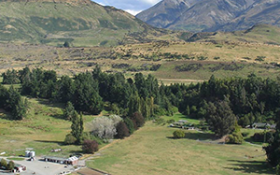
212, 15
79, 22
261, 34
165, 12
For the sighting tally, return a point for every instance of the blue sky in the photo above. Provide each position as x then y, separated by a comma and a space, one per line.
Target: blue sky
131, 6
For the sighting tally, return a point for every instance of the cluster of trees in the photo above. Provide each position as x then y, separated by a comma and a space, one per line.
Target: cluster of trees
225, 104
223, 101
88, 91
11, 101
5, 165
114, 126
102, 129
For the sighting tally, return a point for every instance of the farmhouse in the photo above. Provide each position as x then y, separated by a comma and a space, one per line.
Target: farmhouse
263, 126
68, 161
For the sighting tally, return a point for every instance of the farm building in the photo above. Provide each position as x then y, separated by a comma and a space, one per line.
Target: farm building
263, 126
68, 161
19, 168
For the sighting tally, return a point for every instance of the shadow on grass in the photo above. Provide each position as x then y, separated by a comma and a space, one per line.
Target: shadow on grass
198, 136
61, 143
59, 116
50, 103
257, 167
74, 152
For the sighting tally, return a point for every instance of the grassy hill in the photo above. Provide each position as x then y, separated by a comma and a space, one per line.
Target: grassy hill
261, 33
81, 23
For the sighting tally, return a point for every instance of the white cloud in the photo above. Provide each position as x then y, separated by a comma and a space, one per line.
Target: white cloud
151, 1
100, 3
132, 5
133, 12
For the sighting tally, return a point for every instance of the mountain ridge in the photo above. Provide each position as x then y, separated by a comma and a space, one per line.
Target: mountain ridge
213, 15
79, 22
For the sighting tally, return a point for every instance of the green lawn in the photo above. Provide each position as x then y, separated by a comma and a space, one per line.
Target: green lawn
44, 129
179, 116
16, 158
152, 150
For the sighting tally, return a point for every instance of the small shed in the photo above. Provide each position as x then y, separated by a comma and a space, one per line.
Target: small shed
19, 168
68, 161
260, 125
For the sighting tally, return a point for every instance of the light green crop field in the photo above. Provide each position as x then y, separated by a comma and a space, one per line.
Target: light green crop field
152, 150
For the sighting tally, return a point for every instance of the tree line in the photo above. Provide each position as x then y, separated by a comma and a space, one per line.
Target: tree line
225, 104
90, 90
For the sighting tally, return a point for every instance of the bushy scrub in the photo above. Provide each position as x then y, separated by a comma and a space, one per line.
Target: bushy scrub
235, 138
160, 121
178, 134
90, 146
104, 127
122, 130
70, 139
130, 125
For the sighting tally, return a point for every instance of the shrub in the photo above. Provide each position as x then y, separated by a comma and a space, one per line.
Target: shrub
247, 58
130, 125
235, 138
11, 165
70, 139
138, 118
260, 58
159, 121
104, 127
88, 136
3, 163
90, 146
66, 44
170, 121
122, 130
202, 58
278, 170
178, 134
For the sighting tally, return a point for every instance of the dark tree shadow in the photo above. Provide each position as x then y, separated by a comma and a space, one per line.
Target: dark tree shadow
258, 167
61, 143
74, 152
58, 116
50, 103
198, 136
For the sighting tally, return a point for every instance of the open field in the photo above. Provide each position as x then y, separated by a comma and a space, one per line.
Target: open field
206, 59
43, 130
151, 150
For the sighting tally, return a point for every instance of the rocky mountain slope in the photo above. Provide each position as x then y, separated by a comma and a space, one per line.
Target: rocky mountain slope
212, 15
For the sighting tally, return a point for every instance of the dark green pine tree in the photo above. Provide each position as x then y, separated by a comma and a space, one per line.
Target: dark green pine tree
77, 127
134, 104
69, 111
20, 110
273, 149
221, 118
